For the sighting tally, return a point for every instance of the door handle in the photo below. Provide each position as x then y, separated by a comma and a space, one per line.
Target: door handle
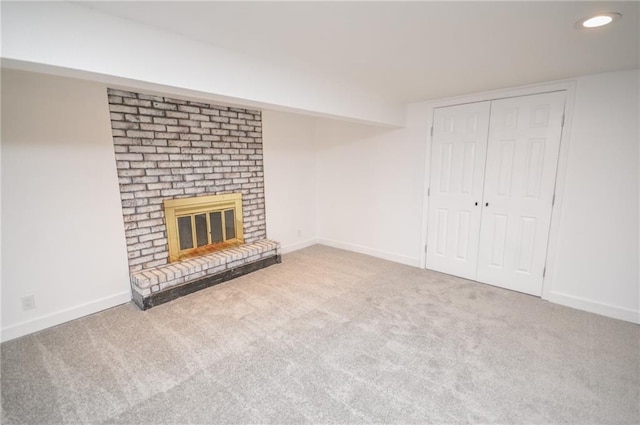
476, 204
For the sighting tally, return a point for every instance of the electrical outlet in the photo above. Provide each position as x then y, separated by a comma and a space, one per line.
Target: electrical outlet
28, 302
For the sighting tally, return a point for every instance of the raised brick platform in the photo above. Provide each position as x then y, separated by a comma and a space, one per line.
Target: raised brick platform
163, 283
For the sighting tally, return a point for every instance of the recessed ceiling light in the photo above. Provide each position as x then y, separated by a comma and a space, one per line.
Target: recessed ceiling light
598, 20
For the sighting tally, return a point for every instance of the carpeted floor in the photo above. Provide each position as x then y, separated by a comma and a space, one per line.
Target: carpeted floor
330, 336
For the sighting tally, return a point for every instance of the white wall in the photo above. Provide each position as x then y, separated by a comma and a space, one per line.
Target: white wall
71, 39
62, 231
370, 186
290, 179
597, 261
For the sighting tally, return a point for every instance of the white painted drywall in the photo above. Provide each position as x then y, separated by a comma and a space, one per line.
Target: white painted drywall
290, 178
370, 186
73, 40
370, 192
597, 261
62, 232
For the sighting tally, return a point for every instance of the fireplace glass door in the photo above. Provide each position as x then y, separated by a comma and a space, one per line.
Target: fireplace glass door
198, 230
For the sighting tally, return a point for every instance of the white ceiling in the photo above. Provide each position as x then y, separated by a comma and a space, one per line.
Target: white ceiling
409, 51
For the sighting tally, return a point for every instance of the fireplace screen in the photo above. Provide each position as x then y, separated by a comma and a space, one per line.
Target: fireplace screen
196, 226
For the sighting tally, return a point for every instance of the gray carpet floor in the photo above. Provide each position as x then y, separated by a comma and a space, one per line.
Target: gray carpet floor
330, 336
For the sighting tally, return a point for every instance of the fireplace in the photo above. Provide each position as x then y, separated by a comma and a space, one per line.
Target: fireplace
192, 189
204, 224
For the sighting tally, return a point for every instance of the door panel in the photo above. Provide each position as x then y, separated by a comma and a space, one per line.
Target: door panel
457, 170
507, 149
522, 157
499, 232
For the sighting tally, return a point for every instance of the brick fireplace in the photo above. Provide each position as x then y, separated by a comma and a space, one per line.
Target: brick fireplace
172, 149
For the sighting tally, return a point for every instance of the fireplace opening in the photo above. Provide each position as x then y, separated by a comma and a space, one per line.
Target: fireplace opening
200, 225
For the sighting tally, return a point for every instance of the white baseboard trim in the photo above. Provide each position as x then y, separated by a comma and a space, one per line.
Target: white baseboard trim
53, 319
409, 261
591, 306
299, 245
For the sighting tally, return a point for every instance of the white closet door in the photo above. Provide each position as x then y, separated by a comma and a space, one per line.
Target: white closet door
522, 157
459, 146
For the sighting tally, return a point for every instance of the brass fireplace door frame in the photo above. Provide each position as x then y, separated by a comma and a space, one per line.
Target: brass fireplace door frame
175, 208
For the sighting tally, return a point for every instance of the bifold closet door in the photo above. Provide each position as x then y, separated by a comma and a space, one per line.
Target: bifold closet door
522, 158
458, 153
